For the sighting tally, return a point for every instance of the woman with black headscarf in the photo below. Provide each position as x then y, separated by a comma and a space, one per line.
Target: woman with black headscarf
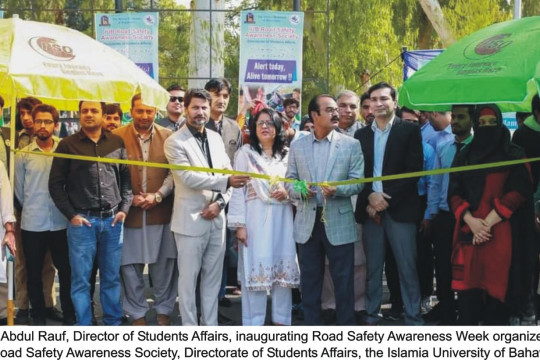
493, 210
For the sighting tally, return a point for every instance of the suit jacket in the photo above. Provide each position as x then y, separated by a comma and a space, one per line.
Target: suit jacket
230, 134
195, 190
345, 161
403, 154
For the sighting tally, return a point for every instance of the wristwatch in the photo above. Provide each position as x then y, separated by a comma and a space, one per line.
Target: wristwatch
159, 199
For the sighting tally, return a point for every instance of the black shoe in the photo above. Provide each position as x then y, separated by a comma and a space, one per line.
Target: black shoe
434, 315
39, 321
22, 317
69, 320
225, 320
53, 314
329, 316
3, 321
225, 302
393, 314
360, 317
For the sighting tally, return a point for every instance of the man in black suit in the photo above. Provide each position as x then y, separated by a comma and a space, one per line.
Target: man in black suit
390, 209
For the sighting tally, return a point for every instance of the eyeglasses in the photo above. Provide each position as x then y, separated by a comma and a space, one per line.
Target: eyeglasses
268, 123
331, 110
46, 122
180, 99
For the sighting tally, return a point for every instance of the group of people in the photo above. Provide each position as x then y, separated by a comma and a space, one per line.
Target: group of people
307, 220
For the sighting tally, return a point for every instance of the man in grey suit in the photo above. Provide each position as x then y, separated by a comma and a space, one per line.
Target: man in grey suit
324, 223
198, 219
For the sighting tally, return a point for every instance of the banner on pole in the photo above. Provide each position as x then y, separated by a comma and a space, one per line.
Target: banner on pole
270, 57
134, 35
415, 59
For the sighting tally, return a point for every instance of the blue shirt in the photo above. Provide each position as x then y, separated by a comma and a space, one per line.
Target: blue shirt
438, 187
379, 147
321, 152
427, 132
32, 190
441, 137
423, 182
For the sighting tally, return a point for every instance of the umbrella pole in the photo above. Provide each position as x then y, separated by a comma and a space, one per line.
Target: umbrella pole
10, 268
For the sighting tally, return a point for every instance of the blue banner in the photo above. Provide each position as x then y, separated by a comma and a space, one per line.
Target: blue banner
270, 57
414, 60
134, 35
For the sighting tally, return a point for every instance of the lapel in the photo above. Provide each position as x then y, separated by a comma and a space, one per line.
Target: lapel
391, 140
334, 145
308, 156
191, 142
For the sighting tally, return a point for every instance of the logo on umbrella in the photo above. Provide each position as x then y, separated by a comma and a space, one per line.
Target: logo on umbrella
487, 47
49, 48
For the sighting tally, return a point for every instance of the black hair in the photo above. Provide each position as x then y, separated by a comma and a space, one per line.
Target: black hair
217, 84
103, 105
111, 109
278, 147
383, 85
196, 93
314, 104
26, 103
290, 101
174, 87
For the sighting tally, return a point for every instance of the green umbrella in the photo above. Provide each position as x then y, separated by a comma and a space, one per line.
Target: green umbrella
498, 64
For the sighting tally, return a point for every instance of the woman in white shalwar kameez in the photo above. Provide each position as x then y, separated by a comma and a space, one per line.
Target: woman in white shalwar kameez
262, 215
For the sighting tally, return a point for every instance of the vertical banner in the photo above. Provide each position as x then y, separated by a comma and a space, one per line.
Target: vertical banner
134, 35
270, 57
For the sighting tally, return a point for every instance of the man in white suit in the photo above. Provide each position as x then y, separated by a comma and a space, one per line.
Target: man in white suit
198, 220
324, 224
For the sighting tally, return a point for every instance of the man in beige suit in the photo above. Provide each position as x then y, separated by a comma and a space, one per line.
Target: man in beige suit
147, 232
198, 220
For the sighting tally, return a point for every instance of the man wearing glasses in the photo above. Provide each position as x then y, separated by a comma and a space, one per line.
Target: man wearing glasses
175, 109
324, 225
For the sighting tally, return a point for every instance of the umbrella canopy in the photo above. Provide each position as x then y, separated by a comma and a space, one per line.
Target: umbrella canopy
62, 66
498, 64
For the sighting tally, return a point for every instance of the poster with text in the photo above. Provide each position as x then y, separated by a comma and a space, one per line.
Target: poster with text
134, 35
270, 57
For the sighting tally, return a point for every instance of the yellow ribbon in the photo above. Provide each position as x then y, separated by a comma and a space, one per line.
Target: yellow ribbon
275, 178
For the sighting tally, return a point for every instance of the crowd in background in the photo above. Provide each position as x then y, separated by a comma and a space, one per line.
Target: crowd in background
320, 250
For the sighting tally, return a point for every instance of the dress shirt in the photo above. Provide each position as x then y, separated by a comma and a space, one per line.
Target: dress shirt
441, 137
77, 185
381, 137
351, 129
39, 213
438, 187
321, 152
427, 132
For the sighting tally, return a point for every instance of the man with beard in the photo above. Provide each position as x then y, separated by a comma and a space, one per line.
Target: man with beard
390, 209
23, 119
147, 231
95, 197
175, 108
443, 222
324, 224
290, 109
43, 227
113, 117
365, 110
198, 219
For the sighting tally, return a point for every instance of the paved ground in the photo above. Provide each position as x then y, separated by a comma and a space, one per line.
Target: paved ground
234, 312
